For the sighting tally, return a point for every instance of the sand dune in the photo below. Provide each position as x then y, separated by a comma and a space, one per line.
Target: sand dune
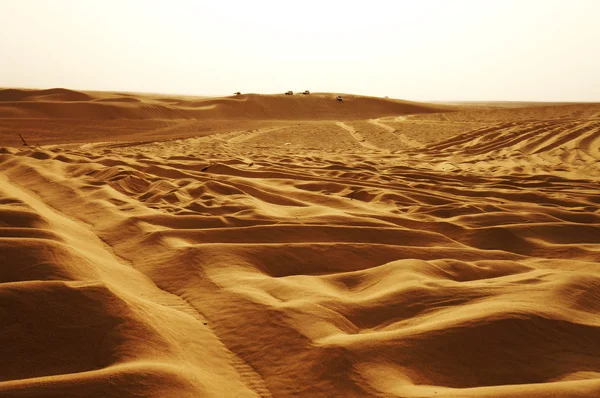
54, 94
316, 106
441, 255
66, 116
542, 112
63, 103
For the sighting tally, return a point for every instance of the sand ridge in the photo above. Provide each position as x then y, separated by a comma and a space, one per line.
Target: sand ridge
68, 104
290, 259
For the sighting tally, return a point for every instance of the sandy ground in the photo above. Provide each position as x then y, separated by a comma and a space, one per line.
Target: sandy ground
386, 249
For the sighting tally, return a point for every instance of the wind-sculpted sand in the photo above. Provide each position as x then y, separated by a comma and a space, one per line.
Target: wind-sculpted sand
332, 257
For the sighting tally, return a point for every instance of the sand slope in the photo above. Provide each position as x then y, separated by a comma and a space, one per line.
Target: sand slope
65, 116
379, 257
68, 104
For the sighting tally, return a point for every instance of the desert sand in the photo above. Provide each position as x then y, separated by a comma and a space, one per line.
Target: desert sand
276, 246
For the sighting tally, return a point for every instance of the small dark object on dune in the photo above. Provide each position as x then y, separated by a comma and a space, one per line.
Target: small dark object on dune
23, 139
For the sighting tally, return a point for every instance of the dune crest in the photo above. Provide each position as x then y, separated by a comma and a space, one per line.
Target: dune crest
63, 103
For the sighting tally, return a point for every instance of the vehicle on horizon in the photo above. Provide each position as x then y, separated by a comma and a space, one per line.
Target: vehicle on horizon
306, 92
237, 93
289, 93
339, 98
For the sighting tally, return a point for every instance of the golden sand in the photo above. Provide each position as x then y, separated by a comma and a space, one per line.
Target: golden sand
272, 245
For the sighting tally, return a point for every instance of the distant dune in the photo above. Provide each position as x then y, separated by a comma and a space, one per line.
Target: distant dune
316, 106
62, 103
297, 246
540, 111
54, 94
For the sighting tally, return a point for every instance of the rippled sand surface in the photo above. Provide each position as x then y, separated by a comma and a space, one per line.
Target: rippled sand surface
390, 249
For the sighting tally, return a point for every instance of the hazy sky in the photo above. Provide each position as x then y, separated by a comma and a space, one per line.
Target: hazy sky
545, 50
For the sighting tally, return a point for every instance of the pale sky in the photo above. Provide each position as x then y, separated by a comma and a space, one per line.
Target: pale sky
532, 50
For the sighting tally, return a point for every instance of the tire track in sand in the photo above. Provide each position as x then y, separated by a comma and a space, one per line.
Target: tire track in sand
406, 140
248, 135
362, 141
